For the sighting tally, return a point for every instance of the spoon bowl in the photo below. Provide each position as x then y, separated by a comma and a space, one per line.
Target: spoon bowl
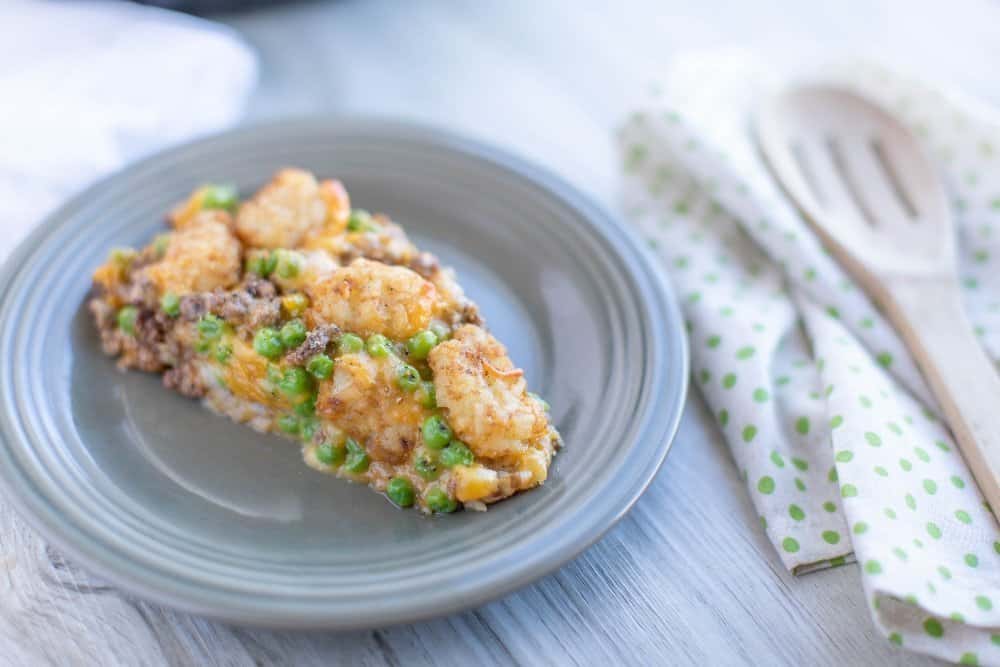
873, 196
842, 158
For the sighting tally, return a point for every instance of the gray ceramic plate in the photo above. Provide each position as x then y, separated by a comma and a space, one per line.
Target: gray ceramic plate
187, 509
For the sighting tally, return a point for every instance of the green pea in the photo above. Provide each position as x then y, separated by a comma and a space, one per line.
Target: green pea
122, 258
436, 432
545, 404
357, 458
160, 245
428, 396
287, 263
288, 270
255, 265
270, 264
420, 344
262, 264
273, 374
330, 455
289, 424
126, 319
267, 343
439, 501
320, 366
308, 428
223, 353
408, 378
293, 334
426, 467
400, 491
170, 303
457, 453
361, 220
378, 345
210, 327
306, 408
351, 344
294, 382
220, 196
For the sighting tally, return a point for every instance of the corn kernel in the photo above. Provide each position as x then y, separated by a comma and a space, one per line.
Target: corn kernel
474, 482
295, 304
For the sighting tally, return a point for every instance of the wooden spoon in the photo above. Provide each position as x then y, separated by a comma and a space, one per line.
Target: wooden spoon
872, 195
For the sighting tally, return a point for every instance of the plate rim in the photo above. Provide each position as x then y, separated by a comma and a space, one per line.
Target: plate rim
66, 535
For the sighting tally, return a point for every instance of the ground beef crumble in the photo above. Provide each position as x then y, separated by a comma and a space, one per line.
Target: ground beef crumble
185, 379
253, 305
425, 264
142, 292
315, 342
148, 350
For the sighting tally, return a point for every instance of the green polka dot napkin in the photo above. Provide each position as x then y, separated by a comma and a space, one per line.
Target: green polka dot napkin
827, 418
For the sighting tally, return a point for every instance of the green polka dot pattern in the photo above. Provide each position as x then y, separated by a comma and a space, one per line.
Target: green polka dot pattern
821, 405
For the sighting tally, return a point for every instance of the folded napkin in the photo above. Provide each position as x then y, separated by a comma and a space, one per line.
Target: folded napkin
828, 419
114, 81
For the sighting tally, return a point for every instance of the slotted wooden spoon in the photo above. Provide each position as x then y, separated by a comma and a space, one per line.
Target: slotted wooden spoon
874, 199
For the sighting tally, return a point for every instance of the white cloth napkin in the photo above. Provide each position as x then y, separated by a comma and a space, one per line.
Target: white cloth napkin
86, 87
825, 413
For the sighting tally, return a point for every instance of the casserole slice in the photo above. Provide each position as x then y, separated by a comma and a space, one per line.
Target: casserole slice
295, 314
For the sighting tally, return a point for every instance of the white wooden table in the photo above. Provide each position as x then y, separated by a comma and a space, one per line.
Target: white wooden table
687, 577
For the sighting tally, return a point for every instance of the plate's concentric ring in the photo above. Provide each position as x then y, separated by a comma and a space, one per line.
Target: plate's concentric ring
185, 509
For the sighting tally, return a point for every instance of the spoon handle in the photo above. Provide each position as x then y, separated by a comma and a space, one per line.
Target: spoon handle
928, 314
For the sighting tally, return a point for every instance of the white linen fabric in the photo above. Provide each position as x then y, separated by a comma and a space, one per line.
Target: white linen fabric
828, 419
86, 87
